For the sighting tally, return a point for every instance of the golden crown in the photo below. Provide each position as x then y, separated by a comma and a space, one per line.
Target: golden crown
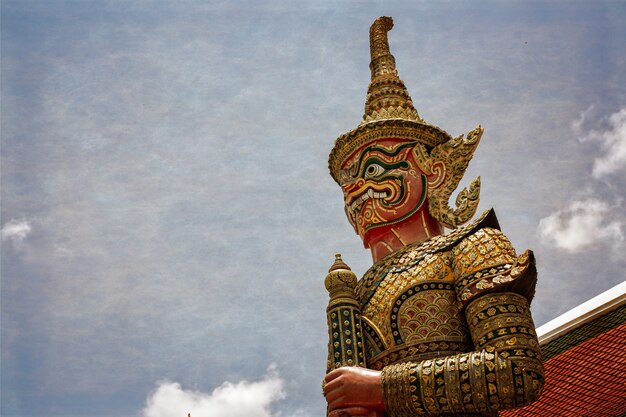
389, 113
389, 110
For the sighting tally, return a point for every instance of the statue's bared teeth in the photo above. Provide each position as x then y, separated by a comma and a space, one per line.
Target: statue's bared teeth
370, 193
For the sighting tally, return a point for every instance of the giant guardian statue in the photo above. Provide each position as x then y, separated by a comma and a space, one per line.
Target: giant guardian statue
440, 324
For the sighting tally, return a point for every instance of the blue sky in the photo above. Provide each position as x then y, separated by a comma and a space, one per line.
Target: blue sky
167, 214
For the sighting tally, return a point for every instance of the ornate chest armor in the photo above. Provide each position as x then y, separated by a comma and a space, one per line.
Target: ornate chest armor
414, 314
463, 298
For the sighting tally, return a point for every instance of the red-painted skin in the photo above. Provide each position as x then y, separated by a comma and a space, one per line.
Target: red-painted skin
353, 391
386, 224
411, 230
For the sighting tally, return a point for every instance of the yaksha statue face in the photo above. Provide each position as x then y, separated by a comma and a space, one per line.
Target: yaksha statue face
383, 185
396, 171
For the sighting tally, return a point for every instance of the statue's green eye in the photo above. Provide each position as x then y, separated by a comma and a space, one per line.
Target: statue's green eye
373, 170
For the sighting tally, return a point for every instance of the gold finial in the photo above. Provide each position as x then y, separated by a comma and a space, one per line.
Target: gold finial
340, 278
338, 264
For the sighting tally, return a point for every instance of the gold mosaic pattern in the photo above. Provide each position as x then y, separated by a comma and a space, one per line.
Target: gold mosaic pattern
416, 283
434, 267
418, 352
428, 314
518, 276
374, 344
411, 255
502, 321
484, 249
488, 359
424, 322
398, 385
505, 370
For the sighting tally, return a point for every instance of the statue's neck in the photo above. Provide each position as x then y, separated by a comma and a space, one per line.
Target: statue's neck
418, 228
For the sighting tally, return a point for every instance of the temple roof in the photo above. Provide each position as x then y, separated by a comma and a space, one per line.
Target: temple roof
584, 351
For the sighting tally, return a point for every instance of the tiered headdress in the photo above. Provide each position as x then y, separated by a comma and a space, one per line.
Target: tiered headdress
389, 113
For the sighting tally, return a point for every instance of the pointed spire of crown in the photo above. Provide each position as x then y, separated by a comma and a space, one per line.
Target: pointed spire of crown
389, 111
387, 96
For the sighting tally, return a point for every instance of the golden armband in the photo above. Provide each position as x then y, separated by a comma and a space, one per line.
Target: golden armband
401, 393
502, 322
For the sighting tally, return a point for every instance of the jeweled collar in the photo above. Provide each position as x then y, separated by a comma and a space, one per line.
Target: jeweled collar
409, 256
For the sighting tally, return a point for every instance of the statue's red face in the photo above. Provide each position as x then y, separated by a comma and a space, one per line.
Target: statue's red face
382, 185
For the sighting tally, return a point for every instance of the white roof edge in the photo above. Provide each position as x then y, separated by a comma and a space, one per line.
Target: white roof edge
583, 313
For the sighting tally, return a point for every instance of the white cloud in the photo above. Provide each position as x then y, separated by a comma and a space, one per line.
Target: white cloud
16, 231
241, 399
581, 225
612, 142
577, 125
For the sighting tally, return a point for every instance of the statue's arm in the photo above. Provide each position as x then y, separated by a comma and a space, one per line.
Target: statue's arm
504, 371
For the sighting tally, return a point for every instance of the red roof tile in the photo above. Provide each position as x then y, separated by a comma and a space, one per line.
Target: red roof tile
588, 379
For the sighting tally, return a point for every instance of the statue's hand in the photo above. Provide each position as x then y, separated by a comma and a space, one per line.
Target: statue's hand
353, 388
